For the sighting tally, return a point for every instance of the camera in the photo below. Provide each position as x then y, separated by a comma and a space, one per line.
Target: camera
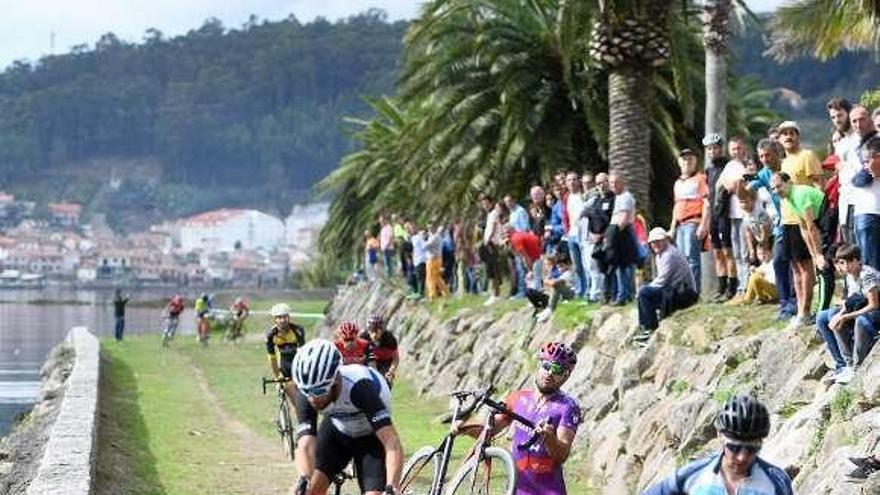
750, 177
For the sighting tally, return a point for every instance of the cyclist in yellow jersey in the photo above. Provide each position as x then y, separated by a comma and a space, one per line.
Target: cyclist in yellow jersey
283, 339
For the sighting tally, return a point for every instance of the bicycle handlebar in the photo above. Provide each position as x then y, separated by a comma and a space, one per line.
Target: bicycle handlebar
484, 397
267, 381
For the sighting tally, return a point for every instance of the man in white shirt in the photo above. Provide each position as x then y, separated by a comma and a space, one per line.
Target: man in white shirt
574, 206
730, 179
852, 152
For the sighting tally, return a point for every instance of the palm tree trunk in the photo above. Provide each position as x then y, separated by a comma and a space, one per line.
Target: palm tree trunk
629, 139
716, 92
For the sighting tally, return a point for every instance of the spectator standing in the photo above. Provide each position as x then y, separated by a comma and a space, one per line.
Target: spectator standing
119, 302
850, 330
803, 239
386, 244
420, 260
671, 290
371, 254
539, 212
434, 284
838, 113
866, 193
597, 208
404, 246
690, 214
729, 181
490, 249
518, 222
574, 205
554, 236
770, 155
854, 156
719, 225
620, 242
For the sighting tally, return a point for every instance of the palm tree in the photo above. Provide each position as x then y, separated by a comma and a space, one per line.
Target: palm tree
823, 28
630, 39
716, 31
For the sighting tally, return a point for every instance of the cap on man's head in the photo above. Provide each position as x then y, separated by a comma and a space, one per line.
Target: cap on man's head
686, 152
658, 234
789, 124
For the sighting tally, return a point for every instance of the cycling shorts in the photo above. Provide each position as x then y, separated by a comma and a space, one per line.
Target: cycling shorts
334, 451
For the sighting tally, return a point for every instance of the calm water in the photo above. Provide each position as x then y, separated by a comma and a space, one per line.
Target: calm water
30, 327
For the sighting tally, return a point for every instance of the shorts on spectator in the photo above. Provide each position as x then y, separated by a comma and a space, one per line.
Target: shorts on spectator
793, 243
720, 233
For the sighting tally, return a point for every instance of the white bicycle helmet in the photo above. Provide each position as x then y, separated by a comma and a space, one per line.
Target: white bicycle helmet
315, 366
279, 309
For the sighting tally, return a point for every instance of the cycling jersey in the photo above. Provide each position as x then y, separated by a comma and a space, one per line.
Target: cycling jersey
283, 345
239, 309
384, 352
703, 477
360, 353
539, 474
201, 307
175, 308
362, 406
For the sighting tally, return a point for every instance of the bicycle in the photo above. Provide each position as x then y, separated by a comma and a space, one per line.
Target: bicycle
234, 330
283, 423
169, 329
337, 482
497, 481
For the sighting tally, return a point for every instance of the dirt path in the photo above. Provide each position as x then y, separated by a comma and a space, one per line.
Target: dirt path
258, 465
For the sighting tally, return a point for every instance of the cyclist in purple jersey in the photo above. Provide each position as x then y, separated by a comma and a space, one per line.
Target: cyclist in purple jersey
557, 416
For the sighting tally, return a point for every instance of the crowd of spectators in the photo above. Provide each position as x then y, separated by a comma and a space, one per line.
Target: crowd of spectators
782, 226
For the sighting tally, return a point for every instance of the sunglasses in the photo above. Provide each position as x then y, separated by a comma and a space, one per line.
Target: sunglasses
736, 448
553, 368
316, 392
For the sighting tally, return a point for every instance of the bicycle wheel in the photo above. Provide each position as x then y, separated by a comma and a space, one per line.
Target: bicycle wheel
420, 471
495, 474
285, 429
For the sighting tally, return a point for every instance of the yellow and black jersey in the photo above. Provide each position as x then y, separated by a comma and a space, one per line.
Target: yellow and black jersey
285, 344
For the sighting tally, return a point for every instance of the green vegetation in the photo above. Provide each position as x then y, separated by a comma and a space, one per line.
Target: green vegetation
679, 386
843, 404
789, 409
722, 395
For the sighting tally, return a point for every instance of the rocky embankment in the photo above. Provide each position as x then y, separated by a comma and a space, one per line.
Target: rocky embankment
22, 450
647, 410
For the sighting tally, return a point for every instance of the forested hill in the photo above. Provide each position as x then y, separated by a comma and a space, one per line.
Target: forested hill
260, 104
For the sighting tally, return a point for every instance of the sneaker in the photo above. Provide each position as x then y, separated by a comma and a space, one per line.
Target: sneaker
858, 461
544, 315
845, 375
830, 377
795, 323
862, 472
492, 300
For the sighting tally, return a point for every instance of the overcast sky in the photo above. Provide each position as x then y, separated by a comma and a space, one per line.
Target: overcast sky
32, 28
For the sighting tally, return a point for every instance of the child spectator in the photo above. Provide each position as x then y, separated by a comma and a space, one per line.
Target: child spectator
762, 279
757, 225
558, 283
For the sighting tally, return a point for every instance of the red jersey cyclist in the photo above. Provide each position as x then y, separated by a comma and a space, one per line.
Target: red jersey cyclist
384, 347
354, 349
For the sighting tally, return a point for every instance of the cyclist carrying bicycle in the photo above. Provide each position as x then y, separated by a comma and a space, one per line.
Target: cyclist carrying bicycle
356, 404
240, 311
384, 346
282, 341
354, 349
556, 415
742, 425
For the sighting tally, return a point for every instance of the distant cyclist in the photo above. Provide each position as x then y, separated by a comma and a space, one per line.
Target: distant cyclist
556, 415
354, 349
384, 347
742, 425
356, 404
239, 311
172, 313
203, 308
282, 341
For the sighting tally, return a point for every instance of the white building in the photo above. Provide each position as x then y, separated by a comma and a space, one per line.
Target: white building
227, 229
303, 226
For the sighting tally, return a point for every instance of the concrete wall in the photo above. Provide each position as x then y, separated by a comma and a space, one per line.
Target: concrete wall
68, 463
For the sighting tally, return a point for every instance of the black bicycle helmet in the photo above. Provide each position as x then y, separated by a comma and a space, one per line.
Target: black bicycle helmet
743, 418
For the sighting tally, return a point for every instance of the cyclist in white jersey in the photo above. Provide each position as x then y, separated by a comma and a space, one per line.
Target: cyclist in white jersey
356, 403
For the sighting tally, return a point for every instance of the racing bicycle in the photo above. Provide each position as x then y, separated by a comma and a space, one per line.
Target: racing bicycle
283, 422
487, 470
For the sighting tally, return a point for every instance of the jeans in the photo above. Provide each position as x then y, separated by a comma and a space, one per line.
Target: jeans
740, 251
520, 267
596, 275
537, 281
663, 300
822, 322
388, 259
868, 238
625, 281
687, 242
784, 282
120, 327
574, 249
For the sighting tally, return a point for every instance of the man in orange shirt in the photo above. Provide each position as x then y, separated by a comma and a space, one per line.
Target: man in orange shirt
690, 215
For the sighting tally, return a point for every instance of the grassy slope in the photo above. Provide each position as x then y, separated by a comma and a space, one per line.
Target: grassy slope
167, 434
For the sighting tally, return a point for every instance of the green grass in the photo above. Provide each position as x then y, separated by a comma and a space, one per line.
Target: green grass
570, 314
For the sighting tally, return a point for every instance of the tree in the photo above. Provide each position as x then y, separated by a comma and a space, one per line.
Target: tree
822, 28
716, 33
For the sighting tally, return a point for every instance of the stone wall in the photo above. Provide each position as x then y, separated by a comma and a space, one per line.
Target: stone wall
68, 463
648, 410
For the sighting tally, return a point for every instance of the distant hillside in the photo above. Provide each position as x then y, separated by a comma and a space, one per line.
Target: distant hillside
810, 82
258, 105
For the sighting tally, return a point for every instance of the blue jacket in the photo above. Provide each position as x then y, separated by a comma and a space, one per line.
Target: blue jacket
703, 477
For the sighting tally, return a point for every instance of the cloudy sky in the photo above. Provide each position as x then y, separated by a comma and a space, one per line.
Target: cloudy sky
32, 28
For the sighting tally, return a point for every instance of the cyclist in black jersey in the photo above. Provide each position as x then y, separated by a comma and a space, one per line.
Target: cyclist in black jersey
282, 341
356, 403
